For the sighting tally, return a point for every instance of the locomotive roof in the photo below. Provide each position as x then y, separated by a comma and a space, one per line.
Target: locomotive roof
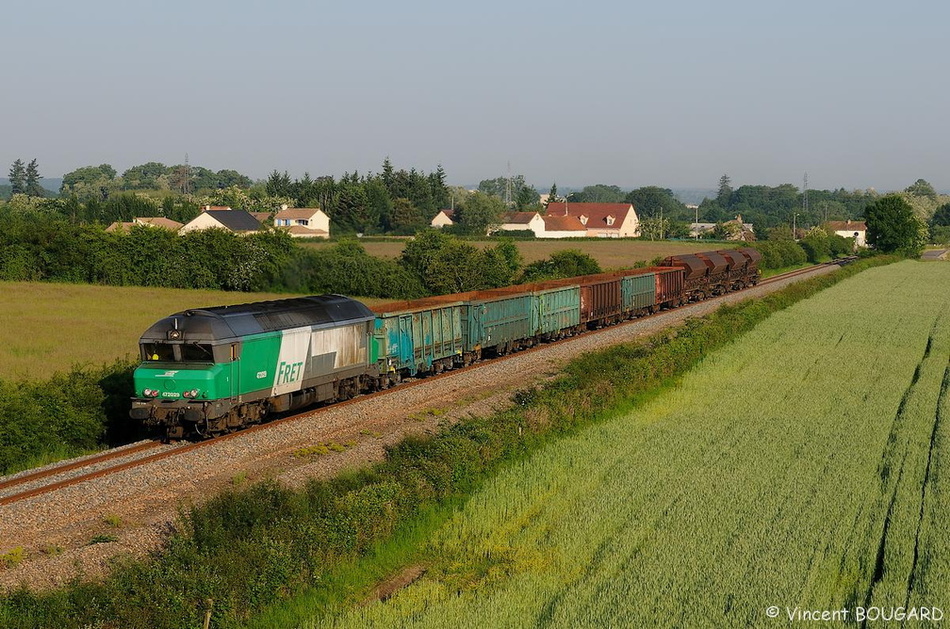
224, 322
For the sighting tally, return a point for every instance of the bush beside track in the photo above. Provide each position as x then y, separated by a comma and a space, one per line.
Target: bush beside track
250, 548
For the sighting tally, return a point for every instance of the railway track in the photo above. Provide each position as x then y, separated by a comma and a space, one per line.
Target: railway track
28, 485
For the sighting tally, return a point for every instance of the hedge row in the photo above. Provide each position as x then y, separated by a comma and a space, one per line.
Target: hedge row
70, 414
247, 548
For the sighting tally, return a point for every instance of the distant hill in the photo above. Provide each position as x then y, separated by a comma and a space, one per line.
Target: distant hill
52, 185
693, 196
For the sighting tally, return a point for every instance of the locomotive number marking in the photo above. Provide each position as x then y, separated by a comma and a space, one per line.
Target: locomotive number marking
261, 374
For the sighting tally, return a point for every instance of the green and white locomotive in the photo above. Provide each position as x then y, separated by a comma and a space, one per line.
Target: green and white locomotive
213, 370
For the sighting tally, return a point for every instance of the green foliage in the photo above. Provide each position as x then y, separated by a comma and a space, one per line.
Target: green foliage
478, 213
778, 254
598, 193
69, 414
768, 207
893, 227
940, 235
724, 196
922, 188
32, 180
817, 247
522, 194
17, 178
941, 216
561, 264
653, 201
90, 182
346, 269
444, 264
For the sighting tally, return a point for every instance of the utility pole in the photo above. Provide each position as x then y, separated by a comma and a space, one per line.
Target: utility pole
805, 196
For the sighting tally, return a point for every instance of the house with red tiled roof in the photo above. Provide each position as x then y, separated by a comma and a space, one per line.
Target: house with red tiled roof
521, 221
563, 227
850, 229
443, 219
602, 220
303, 222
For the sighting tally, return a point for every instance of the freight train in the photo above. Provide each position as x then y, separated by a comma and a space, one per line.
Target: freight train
206, 372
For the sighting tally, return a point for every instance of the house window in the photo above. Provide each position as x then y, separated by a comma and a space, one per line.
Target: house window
583, 220
610, 220
303, 221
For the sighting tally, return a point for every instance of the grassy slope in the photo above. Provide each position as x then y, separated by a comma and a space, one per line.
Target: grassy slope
765, 478
50, 327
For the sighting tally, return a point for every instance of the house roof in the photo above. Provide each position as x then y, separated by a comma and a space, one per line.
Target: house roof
303, 230
848, 226
449, 213
518, 218
235, 220
205, 208
261, 216
596, 213
297, 213
148, 221
159, 221
119, 226
563, 224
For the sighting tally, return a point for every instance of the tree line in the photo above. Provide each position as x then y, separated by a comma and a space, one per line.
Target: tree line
402, 202
35, 246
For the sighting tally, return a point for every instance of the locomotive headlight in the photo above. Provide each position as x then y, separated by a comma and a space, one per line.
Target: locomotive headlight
191, 394
174, 334
150, 392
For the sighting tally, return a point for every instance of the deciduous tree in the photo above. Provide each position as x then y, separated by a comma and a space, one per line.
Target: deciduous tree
893, 227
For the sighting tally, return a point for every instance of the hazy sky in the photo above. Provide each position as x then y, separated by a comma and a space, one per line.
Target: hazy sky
674, 93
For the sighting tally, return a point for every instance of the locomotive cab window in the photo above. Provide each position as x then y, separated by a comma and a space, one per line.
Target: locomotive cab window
158, 351
196, 352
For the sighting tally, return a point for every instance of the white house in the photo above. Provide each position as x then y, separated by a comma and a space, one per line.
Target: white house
851, 229
602, 220
443, 219
302, 222
522, 221
237, 221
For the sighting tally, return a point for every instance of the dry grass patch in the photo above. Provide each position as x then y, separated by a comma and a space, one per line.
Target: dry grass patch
50, 327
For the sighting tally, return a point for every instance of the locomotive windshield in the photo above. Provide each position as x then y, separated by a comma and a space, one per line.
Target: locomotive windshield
187, 352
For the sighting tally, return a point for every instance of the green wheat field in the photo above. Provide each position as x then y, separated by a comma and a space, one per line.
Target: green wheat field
805, 466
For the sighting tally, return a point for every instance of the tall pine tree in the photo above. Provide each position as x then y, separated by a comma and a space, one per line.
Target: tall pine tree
32, 180
18, 177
